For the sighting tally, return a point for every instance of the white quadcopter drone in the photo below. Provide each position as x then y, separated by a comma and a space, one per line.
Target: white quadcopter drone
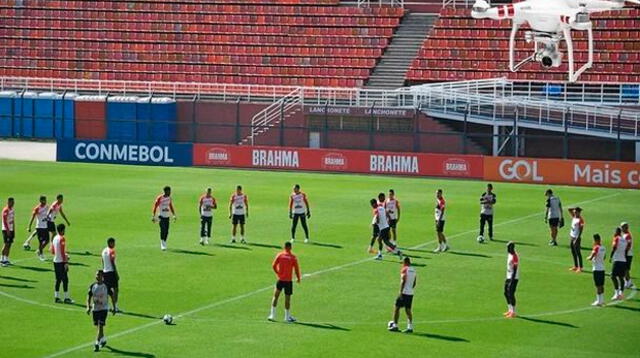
550, 22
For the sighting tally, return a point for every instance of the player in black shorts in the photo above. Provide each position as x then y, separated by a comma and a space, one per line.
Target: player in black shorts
408, 282
8, 231
98, 302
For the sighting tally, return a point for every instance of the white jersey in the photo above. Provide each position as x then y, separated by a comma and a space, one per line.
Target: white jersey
108, 256
512, 261
41, 216
164, 205
553, 203
577, 225
59, 249
239, 204
627, 237
206, 206
54, 210
297, 201
486, 203
409, 274
597, 257
392, 206
439, 210
8, 219
99, 297
619, 254
380, 218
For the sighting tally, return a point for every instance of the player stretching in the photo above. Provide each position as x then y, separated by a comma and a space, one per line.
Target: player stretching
597, 260
513, 275
619, 253
40, 214
553, 216
626, 235
52, 213
165, 204
381, 220
487, 200
61, 265
440, 217
238, 212
8, 231
577, 227
405, 298
111, 277
205, 207
393, 208
283, 265
98, 302
299, 209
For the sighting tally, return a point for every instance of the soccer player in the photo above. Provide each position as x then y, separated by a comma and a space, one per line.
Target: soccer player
440, 218
284, 265
238, 213
487, 201
111, 277
619, 253
205, 207
597, 260
8, 231
165, 205
392, 205
513, 275
98, 302
52, 213
627, 236
577, 227
381, 220
405, 298
553, 216
299, 209
40, 214
61, 265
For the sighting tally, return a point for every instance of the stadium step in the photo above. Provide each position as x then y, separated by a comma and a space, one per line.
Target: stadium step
392, 68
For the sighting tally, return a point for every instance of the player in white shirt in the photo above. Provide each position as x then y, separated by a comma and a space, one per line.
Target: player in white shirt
238, 213
619, 252
39, 213
553, 216
111, 277
163, 207
299, 210
98, 303
61, 265
627, 236
381, 220
206, 205
577, 227
513, 276
408, 280
393, 208
596, 257
8, 230
52, 214
487, 201
440, 220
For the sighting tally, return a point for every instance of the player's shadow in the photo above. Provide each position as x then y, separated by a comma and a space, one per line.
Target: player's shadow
77, 264
123, 353
323, 326
414, 250
324, 244
440, 336
544, 321
268, 246
516, 242
235, 247
634, 309
86, 253
140, 315
16, 279
471, 254
416, 264
190, 252
416, 256
15, 286
33, 268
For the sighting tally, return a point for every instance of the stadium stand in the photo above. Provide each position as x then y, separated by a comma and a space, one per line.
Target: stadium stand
277, 42
461, 48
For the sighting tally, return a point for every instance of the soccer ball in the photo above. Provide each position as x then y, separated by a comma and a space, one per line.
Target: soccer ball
168, 319
480, 239
391, 325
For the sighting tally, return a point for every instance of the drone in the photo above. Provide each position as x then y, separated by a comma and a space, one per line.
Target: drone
551, 22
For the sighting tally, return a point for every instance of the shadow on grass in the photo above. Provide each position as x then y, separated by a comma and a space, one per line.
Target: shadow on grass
235, 247
33, 268
544, 321
140, 315
517, 243
77, 264
323, 326
120, 352
16, 279
268, 246
471, 254
400, 263
191, 252
634, 309
86, 253
415, 250
324, 244
440, 337
15, 286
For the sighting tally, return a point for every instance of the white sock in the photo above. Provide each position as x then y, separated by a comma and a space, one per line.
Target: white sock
513, 309
409, 324
600, 297
56, 294
510, 308
273, 311
66, 295
242, 237
286, 314
233, 238
3, 258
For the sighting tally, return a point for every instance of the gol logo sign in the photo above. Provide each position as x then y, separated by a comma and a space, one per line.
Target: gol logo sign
522, 170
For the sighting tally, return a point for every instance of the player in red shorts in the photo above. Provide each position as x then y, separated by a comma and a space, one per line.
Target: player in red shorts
284, 265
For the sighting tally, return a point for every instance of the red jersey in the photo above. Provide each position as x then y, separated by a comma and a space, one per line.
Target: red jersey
8, 219
284, 264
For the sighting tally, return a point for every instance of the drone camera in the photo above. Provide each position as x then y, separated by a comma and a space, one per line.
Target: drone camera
549, 57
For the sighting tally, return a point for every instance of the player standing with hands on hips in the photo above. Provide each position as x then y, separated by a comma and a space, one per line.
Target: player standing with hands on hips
440, 216
61, 265
392, 205
284, 265
299, 210
553, 216
206, 206
487, 201
164, 204
238, 212
513, 275
597, 260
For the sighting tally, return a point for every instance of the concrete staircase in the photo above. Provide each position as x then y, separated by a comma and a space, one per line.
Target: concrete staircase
405, 44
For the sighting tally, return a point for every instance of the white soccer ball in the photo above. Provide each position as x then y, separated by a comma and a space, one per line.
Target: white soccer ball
480, 239
390, 325
168, 319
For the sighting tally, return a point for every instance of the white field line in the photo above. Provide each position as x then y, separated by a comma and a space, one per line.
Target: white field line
252, 293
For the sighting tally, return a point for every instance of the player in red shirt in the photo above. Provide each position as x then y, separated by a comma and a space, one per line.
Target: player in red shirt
284, 265
8, 231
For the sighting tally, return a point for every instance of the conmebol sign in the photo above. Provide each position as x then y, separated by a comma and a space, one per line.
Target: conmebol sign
165, 154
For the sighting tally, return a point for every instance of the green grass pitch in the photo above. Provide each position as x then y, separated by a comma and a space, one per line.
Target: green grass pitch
220, 294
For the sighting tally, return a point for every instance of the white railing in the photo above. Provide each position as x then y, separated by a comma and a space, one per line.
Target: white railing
274, 114
366, 3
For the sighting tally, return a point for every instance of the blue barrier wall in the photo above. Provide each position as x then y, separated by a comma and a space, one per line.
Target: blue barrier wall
31, 115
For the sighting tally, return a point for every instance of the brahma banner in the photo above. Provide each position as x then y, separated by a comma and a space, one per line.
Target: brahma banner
334, 160
561, 171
